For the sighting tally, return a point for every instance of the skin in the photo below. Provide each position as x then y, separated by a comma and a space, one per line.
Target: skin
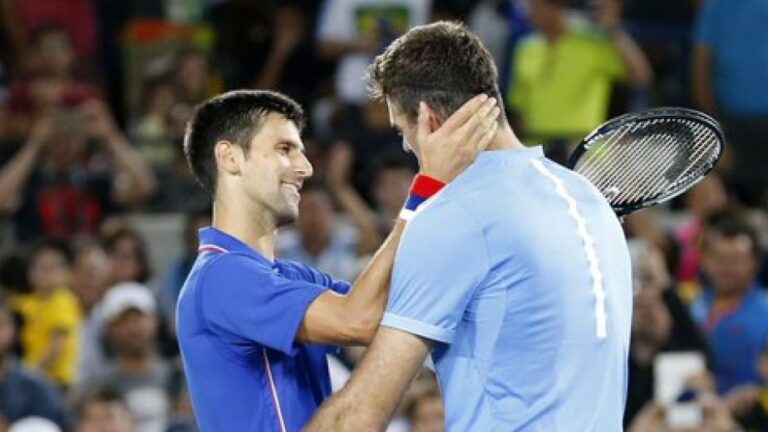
370, 398
258, 190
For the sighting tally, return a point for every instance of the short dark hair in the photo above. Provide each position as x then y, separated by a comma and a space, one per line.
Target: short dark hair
236, 117
100, 393
112, 236
730, 224
442, 64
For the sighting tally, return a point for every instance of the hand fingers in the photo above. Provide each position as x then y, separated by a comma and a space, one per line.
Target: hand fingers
481, 119
464, 113
485, 136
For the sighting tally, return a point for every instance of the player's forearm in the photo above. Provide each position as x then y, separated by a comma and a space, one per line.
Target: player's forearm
341, 413
368, 297
640, 72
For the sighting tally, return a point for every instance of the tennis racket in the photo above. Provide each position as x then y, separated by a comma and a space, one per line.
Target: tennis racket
641, 159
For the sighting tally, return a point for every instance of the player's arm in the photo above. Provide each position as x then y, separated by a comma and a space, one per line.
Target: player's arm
370, 398
445, 151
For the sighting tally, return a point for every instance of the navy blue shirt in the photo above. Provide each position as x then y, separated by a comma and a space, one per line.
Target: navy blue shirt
25, 393
237, 318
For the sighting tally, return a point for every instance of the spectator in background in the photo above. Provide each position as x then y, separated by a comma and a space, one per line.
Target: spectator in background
49, 82
749, 403
127, 254
392, 181
77, 17
660, 323
321, 239
54, 189
730, 72
732, 308
353, 31
290, 65
195, 220
51, 314
103, 409
137, 371
663, 29
368, 132
708, 197
565, 70
90, 278
23, 393
154, 131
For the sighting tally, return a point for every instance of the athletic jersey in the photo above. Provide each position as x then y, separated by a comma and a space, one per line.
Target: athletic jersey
519, 274
237, 319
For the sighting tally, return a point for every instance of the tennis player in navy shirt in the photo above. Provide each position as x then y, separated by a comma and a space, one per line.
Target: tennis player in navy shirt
254, 330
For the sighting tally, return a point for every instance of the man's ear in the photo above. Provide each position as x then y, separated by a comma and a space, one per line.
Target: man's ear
229, 157
434, 120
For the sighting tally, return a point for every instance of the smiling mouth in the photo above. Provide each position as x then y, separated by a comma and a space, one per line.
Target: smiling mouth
294, 187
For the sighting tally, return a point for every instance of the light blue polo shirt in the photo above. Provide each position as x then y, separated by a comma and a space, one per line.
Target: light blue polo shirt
237, 318
519, 273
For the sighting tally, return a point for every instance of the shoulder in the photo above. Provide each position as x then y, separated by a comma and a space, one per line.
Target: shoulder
32, 379
233, 264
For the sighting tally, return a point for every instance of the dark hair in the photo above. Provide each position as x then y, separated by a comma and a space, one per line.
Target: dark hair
112, 237
236, 117
47, 28
36, 249
730, 224
98, 394
442, 64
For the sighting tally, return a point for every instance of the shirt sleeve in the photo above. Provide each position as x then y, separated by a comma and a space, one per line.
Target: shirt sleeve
310, 274
441, 260
245, 303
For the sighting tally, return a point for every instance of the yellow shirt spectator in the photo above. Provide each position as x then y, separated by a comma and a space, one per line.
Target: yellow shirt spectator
44, 319
562, 90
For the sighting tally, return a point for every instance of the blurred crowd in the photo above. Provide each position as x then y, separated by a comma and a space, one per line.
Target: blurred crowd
100, 213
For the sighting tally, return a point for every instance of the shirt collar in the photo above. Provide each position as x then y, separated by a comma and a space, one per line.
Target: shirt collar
522, 154
215, 240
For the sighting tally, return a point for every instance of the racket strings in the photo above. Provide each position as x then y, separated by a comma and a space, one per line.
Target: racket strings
647, 159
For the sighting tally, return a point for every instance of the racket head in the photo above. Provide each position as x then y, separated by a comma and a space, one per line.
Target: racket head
641, 159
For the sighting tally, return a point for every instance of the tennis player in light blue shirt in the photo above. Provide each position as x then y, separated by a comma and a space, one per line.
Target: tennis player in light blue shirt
515, 278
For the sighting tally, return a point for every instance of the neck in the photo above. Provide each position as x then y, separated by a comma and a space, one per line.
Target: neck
135, 363
505, 139
251, 226
556, 28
